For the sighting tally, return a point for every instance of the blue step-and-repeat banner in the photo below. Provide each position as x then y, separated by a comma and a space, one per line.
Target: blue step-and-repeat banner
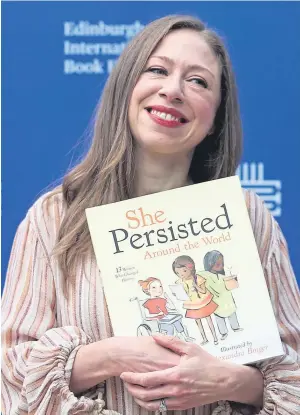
56, 57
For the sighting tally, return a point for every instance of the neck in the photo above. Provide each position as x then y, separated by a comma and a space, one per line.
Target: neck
159, 172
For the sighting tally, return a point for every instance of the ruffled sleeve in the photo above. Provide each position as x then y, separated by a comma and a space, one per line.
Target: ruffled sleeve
281, 374
37, 357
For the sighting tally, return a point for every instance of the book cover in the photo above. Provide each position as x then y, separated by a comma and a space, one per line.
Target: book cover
184, 262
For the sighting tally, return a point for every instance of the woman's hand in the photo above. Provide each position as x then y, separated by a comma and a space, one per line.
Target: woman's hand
98, 361
199, 379
140, 354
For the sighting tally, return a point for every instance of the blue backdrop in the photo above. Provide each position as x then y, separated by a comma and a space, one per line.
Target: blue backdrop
56, 58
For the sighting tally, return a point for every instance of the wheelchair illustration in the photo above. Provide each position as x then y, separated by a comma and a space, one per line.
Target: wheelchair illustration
171, 324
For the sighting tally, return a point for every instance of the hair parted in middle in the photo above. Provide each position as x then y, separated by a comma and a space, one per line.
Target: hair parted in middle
106, 173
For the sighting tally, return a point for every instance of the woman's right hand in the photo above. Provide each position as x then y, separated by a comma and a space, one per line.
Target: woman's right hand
96, 362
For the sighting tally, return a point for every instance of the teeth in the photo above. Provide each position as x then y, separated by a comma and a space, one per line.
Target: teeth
165, 116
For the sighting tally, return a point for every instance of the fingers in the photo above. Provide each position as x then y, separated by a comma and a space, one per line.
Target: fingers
180, 347
152, 406
173, 343
171, 404
150, 379
151, 394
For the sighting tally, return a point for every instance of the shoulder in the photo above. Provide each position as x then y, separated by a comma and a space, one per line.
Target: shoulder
202, 274
200, 278
258, 211
148, 302
46, 213
265, 227
255, 205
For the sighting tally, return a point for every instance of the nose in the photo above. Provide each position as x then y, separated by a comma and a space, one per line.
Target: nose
171, 90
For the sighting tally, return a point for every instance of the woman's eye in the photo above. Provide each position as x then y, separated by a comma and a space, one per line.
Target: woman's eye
158, 71
199, 81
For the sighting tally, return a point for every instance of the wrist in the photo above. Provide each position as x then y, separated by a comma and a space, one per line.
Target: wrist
114, 354
92, 365
244, 384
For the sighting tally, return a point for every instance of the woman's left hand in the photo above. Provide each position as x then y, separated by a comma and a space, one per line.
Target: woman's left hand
199, 379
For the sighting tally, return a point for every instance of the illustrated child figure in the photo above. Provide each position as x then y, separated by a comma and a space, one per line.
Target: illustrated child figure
214, 263
201, 304
158, 308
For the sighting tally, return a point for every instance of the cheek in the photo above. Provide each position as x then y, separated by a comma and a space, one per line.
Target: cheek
204, 103
135, 99
205, 110
144, 92
139, 93
132, 106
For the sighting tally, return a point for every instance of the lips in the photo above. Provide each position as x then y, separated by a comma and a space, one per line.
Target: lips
167, 110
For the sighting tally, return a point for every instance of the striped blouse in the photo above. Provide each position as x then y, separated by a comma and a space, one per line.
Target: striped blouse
42, 330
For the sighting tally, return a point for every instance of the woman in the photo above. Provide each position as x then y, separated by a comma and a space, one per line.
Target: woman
201, 304
168, 117
157, 307
215, 283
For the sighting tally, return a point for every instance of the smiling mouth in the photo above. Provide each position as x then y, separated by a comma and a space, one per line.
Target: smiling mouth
166, 116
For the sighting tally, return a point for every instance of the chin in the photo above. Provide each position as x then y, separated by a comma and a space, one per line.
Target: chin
165, 146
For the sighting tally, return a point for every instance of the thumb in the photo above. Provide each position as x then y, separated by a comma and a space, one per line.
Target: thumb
173, 343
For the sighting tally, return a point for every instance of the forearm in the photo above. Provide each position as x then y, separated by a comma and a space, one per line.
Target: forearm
34, 372
245, 385
92, 365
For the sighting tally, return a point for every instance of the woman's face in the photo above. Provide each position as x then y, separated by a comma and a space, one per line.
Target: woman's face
174, 102
219, 265
183, 273
155, 289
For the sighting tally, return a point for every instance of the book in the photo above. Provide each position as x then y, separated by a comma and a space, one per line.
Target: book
184, 262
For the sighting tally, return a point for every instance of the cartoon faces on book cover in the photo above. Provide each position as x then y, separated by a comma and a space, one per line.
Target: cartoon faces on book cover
205, 295
191, 270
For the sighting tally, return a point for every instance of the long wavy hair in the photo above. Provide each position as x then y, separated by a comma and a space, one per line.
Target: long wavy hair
106, 173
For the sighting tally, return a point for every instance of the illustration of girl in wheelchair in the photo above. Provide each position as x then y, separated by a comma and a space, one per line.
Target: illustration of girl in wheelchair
158, 312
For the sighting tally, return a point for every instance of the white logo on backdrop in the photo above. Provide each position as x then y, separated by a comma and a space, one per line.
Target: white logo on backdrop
86, 55
252, 178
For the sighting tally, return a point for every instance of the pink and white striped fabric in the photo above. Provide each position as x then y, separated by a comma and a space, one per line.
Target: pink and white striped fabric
42, 331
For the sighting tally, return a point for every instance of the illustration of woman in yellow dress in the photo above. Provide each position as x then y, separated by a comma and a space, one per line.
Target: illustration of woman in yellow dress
201, 304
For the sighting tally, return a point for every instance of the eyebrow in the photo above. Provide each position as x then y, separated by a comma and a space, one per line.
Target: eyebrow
190, 67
